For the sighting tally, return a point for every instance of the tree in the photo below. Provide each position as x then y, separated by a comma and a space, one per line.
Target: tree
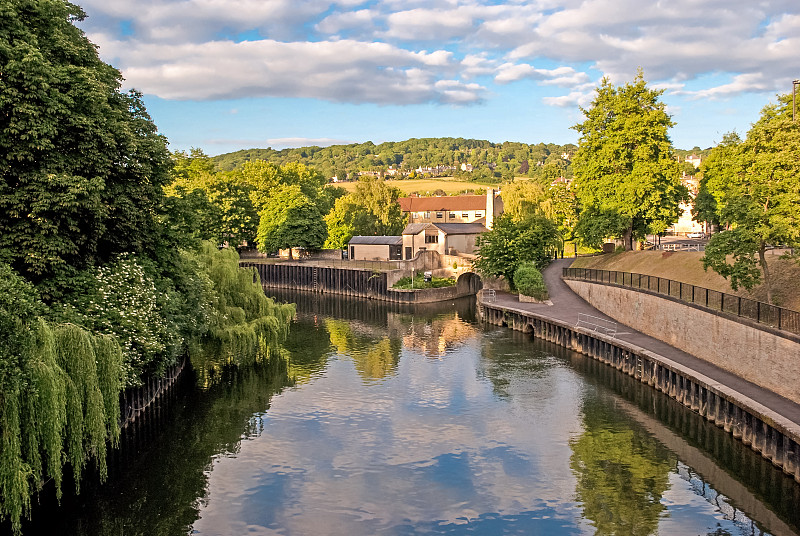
624, 167
717, 171
290, 219
348, 218
511, 243
81, 164
758, 196
380, 200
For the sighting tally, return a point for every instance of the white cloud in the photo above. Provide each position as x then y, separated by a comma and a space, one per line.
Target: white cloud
339, 71
409, 51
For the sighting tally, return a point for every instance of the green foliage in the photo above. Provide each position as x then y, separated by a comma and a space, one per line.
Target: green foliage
121, 299
81, 164
56, 383
621, 476
528, 280
510, 243
624, 167
380, 200
290, 219
347, 219
756, 187
522, 199
245, 326
371, 210
418, 281
544, 162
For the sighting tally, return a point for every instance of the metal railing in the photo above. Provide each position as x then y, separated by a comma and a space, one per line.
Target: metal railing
680, 246
764, 313
595, 323
376, 266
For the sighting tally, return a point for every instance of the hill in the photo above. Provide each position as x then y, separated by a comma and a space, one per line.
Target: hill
490, 162
685, 266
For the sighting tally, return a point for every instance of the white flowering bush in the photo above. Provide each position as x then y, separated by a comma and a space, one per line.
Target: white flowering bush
125, 305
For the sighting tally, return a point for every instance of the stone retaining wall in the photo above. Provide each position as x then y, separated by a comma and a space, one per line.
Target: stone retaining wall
759, 355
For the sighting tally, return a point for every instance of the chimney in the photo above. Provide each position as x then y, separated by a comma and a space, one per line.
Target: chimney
489, 207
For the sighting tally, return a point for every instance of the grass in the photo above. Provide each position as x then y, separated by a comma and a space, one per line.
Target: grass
686, 266
449, 185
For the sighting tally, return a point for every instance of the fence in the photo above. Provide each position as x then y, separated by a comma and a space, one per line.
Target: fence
597, 324
764, 313
680, 246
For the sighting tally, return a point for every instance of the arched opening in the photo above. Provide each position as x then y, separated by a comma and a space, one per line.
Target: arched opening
468, 283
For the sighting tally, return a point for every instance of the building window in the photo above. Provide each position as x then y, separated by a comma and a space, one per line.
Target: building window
428, 215
465, 215
479, 214
440, 215
432, 239
452, 215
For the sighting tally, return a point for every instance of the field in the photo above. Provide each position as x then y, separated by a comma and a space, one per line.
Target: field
427, 186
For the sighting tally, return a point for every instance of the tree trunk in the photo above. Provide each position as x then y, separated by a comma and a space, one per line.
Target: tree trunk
765, 270
627, 238
290, 252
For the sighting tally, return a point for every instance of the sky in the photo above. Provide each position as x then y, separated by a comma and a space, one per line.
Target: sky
224, 75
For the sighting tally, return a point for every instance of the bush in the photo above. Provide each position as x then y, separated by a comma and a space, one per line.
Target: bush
528, 281
419, 282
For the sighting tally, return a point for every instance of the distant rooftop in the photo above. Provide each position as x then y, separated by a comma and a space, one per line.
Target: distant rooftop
377, 240
442, 203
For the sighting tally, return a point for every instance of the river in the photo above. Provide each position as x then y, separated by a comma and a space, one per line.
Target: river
397, 421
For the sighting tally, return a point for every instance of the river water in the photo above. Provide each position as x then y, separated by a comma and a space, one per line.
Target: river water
399, 421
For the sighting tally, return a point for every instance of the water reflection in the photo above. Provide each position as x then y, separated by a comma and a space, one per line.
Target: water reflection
622, 475
407, 420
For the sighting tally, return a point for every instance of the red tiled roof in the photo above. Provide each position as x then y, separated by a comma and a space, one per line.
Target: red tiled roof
442, 203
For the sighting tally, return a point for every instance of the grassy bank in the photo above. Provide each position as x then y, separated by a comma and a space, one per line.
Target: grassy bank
686, 266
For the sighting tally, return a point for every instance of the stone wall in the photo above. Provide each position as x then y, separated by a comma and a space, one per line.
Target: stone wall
757, 355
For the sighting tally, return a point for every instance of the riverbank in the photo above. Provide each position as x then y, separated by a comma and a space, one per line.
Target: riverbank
768, 422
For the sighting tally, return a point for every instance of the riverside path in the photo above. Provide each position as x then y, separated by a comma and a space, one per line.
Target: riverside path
567, 305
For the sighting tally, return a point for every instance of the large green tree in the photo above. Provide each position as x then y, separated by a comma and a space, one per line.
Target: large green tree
371, 210
289, 220
380, 200
757, 193
624, 168
347, 219
81, 164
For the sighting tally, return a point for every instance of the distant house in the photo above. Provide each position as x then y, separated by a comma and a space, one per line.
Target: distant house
375, 248
453, 208
694, 160
444, 238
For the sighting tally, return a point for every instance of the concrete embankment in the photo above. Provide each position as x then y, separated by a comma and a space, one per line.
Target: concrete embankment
759, 354
760, 418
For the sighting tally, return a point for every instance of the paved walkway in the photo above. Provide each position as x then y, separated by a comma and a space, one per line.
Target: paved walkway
567, 304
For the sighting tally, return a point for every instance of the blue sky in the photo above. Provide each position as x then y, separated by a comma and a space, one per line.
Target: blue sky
224, 75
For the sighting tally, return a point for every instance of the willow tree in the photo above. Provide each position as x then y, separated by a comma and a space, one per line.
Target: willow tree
59, 398
757, 194
626, 178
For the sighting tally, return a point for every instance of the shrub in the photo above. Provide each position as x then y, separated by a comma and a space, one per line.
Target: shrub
528, 281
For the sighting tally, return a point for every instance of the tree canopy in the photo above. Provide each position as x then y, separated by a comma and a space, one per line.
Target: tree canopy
624, 167
289, 220
81, 164
756, 187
